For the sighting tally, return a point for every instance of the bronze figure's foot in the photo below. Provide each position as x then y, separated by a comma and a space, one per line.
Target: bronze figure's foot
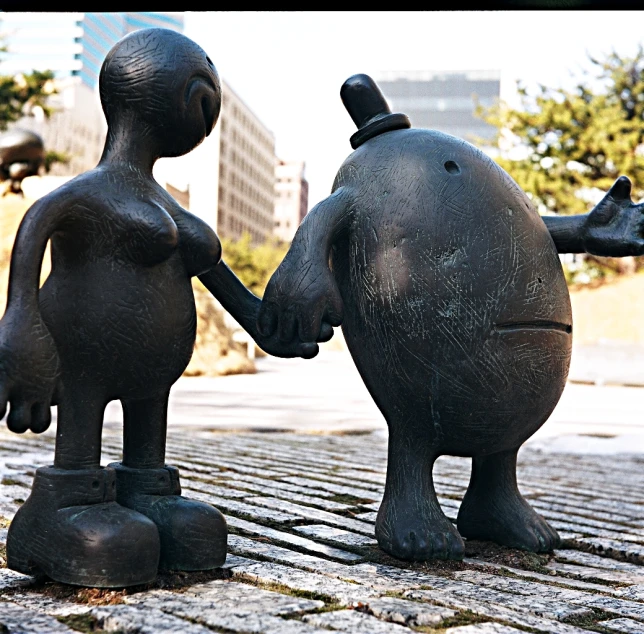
510, 522
193, 534
416, 533
493, 508
72, 530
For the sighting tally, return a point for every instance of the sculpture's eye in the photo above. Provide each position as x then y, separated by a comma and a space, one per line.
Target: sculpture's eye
452, 167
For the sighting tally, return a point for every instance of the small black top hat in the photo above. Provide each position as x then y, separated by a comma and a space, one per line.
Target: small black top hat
369, 110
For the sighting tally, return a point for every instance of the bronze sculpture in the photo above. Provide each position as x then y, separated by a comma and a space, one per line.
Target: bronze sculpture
452, 300
22, 153
116, 320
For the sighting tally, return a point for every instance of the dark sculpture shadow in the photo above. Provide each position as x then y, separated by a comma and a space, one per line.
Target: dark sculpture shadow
116, 320
22, 154
454, 307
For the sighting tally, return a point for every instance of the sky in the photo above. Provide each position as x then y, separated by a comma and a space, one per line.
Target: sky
288, 67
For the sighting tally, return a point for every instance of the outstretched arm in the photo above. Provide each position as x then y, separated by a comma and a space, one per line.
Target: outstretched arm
29, 364
302, 297
614, 228
244, 307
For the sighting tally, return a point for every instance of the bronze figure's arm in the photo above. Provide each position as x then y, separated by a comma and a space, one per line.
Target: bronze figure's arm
244, 306
29, 362
614, 227
302, 298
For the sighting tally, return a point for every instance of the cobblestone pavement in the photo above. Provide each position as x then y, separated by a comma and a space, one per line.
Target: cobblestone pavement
303, 559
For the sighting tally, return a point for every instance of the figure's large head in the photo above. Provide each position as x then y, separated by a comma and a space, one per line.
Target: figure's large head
164, 82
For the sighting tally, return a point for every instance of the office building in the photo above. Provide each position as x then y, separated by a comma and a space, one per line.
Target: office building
291, 198
444, 100
229, 180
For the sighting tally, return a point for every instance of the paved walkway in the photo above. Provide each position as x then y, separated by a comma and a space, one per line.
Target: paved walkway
301, 498
302, 556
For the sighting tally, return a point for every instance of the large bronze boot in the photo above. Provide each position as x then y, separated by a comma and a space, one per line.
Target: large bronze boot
72, 530
193, 534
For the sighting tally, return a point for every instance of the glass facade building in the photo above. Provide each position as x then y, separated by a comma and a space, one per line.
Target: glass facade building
100, 31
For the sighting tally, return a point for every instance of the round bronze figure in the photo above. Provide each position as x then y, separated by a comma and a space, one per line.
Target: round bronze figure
455, 309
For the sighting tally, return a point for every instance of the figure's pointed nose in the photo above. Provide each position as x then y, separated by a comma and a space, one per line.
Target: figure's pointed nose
369, 110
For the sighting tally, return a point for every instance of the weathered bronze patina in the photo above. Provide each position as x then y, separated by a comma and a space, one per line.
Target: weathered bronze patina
116, 320
455, 309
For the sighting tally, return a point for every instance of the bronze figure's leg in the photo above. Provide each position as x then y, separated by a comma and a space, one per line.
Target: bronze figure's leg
494, 509
71, 527
193, 534
411, 524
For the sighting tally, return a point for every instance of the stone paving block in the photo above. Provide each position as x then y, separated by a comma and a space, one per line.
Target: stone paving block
11, 579
295, 540
595, 561
130, 619
634, 592
618, 605
13, 492
353, 621
15, 619
623, 607
16, 476
342, 592
188, 485
581, 521
313, 514
614, 548
492, 611
234, 560
483, 628
225, 597
179, 460
242, 508
551, 578
241, 478
379, 576
8, 508
409, 613
332, 487
239, 544
368, 517
550, 606
628, 626
337, 535
589, 501
356, 475
586, 572
310, 499
48, 605
540, 503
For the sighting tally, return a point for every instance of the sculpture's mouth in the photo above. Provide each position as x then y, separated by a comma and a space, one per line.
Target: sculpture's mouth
537, 324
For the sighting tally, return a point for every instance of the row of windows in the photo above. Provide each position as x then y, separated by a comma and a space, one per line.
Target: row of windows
249, 148
248, 125
230, 226
242, 186
247, 168
404, 104
248, 211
